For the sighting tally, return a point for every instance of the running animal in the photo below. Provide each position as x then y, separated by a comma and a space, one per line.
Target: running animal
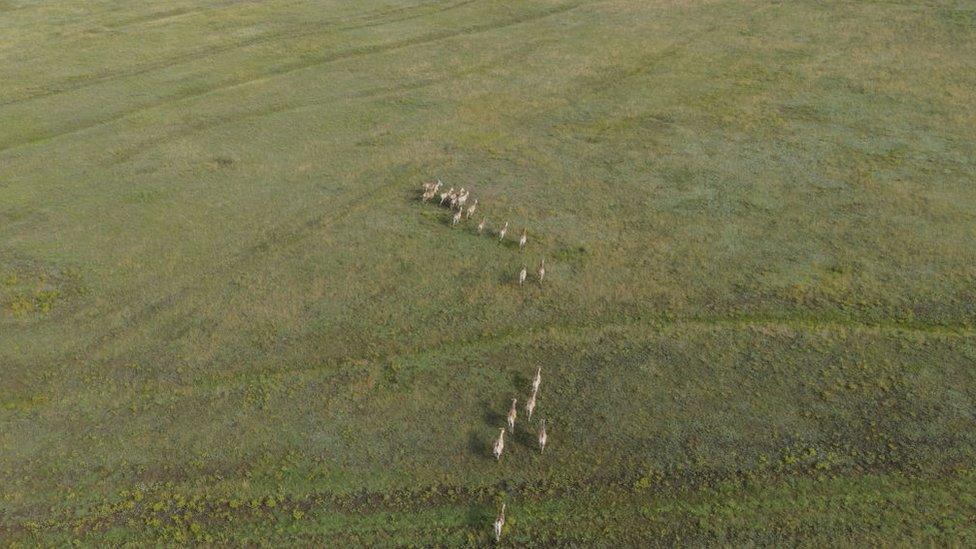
499, 444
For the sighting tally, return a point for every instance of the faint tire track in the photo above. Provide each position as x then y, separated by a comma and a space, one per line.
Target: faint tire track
581, 332
153, 17
587, 331
137, 149
295, 66
279, 238
83, 82
176, 12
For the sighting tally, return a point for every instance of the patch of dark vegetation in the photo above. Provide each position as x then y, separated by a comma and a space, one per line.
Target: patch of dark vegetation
800, 111
573, 256
19, 215
224, 161
964, 18
167, 513
144, 196
375, 140
31, 288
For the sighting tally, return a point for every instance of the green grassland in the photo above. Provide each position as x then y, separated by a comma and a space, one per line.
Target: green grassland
226, 318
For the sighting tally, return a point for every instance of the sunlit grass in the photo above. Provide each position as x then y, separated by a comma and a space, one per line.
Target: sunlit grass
226, 317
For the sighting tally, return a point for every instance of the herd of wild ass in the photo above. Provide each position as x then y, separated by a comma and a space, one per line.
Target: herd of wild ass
457, 200
499, 445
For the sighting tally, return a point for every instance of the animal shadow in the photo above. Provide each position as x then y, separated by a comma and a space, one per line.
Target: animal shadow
494, 418
479, 515
525, 434
521, 383
478, 446
512, 277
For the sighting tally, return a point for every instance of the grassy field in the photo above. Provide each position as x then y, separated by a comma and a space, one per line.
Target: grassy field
225, 317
